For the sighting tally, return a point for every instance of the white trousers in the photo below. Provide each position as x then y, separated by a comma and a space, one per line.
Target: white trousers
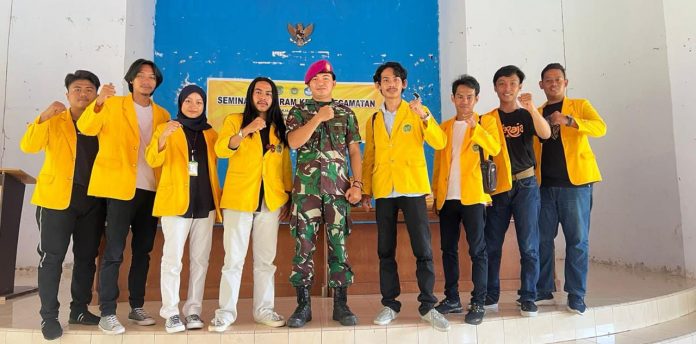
200, 234
263, 228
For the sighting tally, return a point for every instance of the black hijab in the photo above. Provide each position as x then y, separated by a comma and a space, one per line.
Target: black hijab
199, 123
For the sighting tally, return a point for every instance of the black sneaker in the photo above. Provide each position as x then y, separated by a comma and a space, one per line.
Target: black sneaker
84, 318
475, 314
490, 304
545, 299
576, 304
51, 329
447, 306
529, 309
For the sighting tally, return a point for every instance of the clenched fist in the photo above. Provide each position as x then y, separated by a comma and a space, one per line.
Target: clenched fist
107, 91
52, 110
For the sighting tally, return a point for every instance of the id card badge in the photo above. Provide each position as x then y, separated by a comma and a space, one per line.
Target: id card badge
193, 168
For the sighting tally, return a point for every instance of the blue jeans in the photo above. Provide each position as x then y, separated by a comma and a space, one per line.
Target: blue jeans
522, 202
571, 208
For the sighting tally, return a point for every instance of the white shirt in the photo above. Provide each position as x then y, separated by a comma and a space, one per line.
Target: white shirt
145, 176
454, 184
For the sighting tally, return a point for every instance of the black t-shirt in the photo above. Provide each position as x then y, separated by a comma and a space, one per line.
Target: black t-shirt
518, 128
554, 170
200, 191
86, 150
265, 142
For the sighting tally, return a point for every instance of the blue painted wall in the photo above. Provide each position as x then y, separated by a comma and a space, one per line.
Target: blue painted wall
244, 39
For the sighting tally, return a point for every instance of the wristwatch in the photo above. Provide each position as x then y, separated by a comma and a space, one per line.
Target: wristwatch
569, 121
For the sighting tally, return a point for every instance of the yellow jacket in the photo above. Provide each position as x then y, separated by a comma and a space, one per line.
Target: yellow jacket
116, 126
485, 135
172, 197
582, 165
397, 161
59, 138
248, 166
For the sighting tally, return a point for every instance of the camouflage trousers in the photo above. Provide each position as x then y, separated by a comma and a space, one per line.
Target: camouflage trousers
308, 213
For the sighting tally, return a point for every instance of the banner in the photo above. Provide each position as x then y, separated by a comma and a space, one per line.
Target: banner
227, 96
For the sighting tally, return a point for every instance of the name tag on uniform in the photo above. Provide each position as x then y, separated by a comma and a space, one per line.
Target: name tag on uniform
193, 168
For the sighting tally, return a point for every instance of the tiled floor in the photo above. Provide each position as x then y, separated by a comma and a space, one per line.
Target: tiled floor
620, 300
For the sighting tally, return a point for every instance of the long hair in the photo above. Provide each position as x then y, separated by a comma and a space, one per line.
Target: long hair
274, 115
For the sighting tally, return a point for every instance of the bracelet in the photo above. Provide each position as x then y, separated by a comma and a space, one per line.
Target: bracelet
358, 184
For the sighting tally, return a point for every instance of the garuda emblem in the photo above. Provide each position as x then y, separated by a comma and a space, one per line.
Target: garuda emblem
300, 34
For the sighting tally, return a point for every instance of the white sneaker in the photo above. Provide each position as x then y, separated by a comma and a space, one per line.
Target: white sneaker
110, 325
437, 320
194, 322
174, 324
385, 316
218, 325
272, 319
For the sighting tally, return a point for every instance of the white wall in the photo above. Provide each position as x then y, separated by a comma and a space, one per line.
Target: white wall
681, 53
48, 40
621, 66
616, 55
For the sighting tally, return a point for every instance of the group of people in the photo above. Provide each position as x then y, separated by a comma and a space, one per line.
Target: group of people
132, 164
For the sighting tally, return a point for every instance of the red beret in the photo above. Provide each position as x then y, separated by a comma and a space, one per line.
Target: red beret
321, 66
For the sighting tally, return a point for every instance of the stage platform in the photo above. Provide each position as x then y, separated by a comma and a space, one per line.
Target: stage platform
625, 306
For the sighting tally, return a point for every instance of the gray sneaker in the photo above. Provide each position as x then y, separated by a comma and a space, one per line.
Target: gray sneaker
385, 316
138, 316
218, 325
272, 319
110, 325
174, 324
437, 320
194, 322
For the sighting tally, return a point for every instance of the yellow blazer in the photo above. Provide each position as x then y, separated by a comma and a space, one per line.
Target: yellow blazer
486, 137
248, 166
58, 137
116, 126
397, 161
582, 165
172, 197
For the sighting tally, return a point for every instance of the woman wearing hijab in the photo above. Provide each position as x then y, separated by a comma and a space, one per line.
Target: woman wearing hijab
255, 197
187, 199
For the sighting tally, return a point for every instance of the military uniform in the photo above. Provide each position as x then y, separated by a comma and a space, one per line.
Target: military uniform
318, 195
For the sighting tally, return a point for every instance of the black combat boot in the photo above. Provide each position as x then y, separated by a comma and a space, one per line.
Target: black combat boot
303, 312
341, 312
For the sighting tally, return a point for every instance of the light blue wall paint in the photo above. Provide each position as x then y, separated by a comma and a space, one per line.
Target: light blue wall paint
245, 39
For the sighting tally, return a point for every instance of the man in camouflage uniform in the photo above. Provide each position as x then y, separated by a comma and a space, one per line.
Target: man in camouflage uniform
324, 133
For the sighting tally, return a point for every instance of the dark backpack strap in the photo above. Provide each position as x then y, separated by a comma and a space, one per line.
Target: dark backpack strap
480, 148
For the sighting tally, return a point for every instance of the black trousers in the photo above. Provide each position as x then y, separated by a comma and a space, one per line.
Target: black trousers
135, 214
83, 220
452, 215
416, 216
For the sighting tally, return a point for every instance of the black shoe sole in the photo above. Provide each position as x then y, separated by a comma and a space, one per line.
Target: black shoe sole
473, 321
453, 310
351, 320
297, 323
76, 322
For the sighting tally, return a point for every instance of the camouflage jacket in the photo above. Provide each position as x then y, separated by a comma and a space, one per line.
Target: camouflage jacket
321, 162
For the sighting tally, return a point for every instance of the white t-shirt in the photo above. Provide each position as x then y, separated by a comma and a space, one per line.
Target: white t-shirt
454, 185
145, 176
